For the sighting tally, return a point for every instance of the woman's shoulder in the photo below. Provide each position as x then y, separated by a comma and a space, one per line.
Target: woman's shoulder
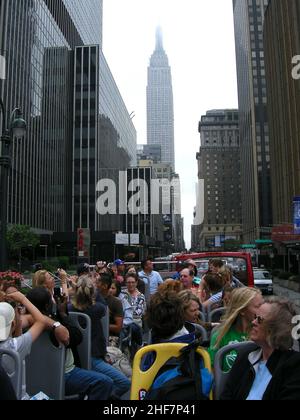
98, 309
140, 296
230, 337
124, 295
233, 336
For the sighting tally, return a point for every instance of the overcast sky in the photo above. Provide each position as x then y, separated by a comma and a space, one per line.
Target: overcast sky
199, 41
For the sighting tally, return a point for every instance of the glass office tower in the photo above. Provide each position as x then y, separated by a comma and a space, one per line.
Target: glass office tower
53, 51
254, 129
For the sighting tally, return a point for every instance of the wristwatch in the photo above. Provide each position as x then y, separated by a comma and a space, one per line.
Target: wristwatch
56, 325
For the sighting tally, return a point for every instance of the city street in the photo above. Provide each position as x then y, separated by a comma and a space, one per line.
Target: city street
150, 196
289, 294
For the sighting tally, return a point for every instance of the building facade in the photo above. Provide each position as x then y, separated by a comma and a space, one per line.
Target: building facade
101, 132
160, 107
149, 152
142, 222
254, 130
282, 44
169, 195
219, 167
111, 104
77, 122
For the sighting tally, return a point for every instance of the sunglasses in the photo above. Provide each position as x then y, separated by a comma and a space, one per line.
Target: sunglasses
259, 319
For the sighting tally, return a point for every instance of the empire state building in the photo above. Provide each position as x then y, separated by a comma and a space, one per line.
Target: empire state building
160, 108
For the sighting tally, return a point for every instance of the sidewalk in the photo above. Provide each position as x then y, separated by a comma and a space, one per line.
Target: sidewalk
290, 294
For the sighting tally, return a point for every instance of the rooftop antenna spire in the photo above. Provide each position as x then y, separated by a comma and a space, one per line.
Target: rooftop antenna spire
159, 38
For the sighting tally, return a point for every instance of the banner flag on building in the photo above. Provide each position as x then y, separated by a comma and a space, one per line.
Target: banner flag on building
83, 242
296, 215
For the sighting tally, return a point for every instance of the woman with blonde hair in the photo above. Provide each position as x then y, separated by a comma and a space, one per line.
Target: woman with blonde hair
84, 301
84, 296
43, 278
236, 323
226, 275
191, 308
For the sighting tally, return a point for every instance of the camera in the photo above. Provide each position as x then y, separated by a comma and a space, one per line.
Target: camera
57, 292
13, 304
18, 306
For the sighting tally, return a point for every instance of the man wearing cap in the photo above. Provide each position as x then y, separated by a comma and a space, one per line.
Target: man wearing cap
118, 269
121, 269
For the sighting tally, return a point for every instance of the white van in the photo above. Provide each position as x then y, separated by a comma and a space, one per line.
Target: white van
263, 281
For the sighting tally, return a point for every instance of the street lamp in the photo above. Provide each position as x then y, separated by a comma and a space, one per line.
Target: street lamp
16, 128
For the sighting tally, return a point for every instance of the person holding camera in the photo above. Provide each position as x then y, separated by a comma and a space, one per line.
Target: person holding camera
44, 279
23, 343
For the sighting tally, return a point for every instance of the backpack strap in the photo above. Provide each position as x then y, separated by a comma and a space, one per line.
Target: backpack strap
194, 368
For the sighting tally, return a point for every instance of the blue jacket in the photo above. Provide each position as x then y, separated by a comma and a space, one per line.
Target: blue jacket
186, 338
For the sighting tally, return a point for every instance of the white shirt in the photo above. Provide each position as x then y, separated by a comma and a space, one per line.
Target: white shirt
262, 376
262, 379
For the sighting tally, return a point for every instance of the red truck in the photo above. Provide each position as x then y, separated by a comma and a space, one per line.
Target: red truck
239, 261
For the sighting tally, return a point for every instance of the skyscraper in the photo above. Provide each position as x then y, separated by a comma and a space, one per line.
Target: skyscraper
254, 130
160, 109
281, 40
219, 167
77, 122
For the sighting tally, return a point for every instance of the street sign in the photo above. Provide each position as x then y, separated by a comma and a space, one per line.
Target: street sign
218, 241
284, 233
265, 230
122, 239
263, 241
249, 246
126, 239
134, 239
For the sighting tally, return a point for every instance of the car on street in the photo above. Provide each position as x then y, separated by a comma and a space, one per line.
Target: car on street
263, 280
